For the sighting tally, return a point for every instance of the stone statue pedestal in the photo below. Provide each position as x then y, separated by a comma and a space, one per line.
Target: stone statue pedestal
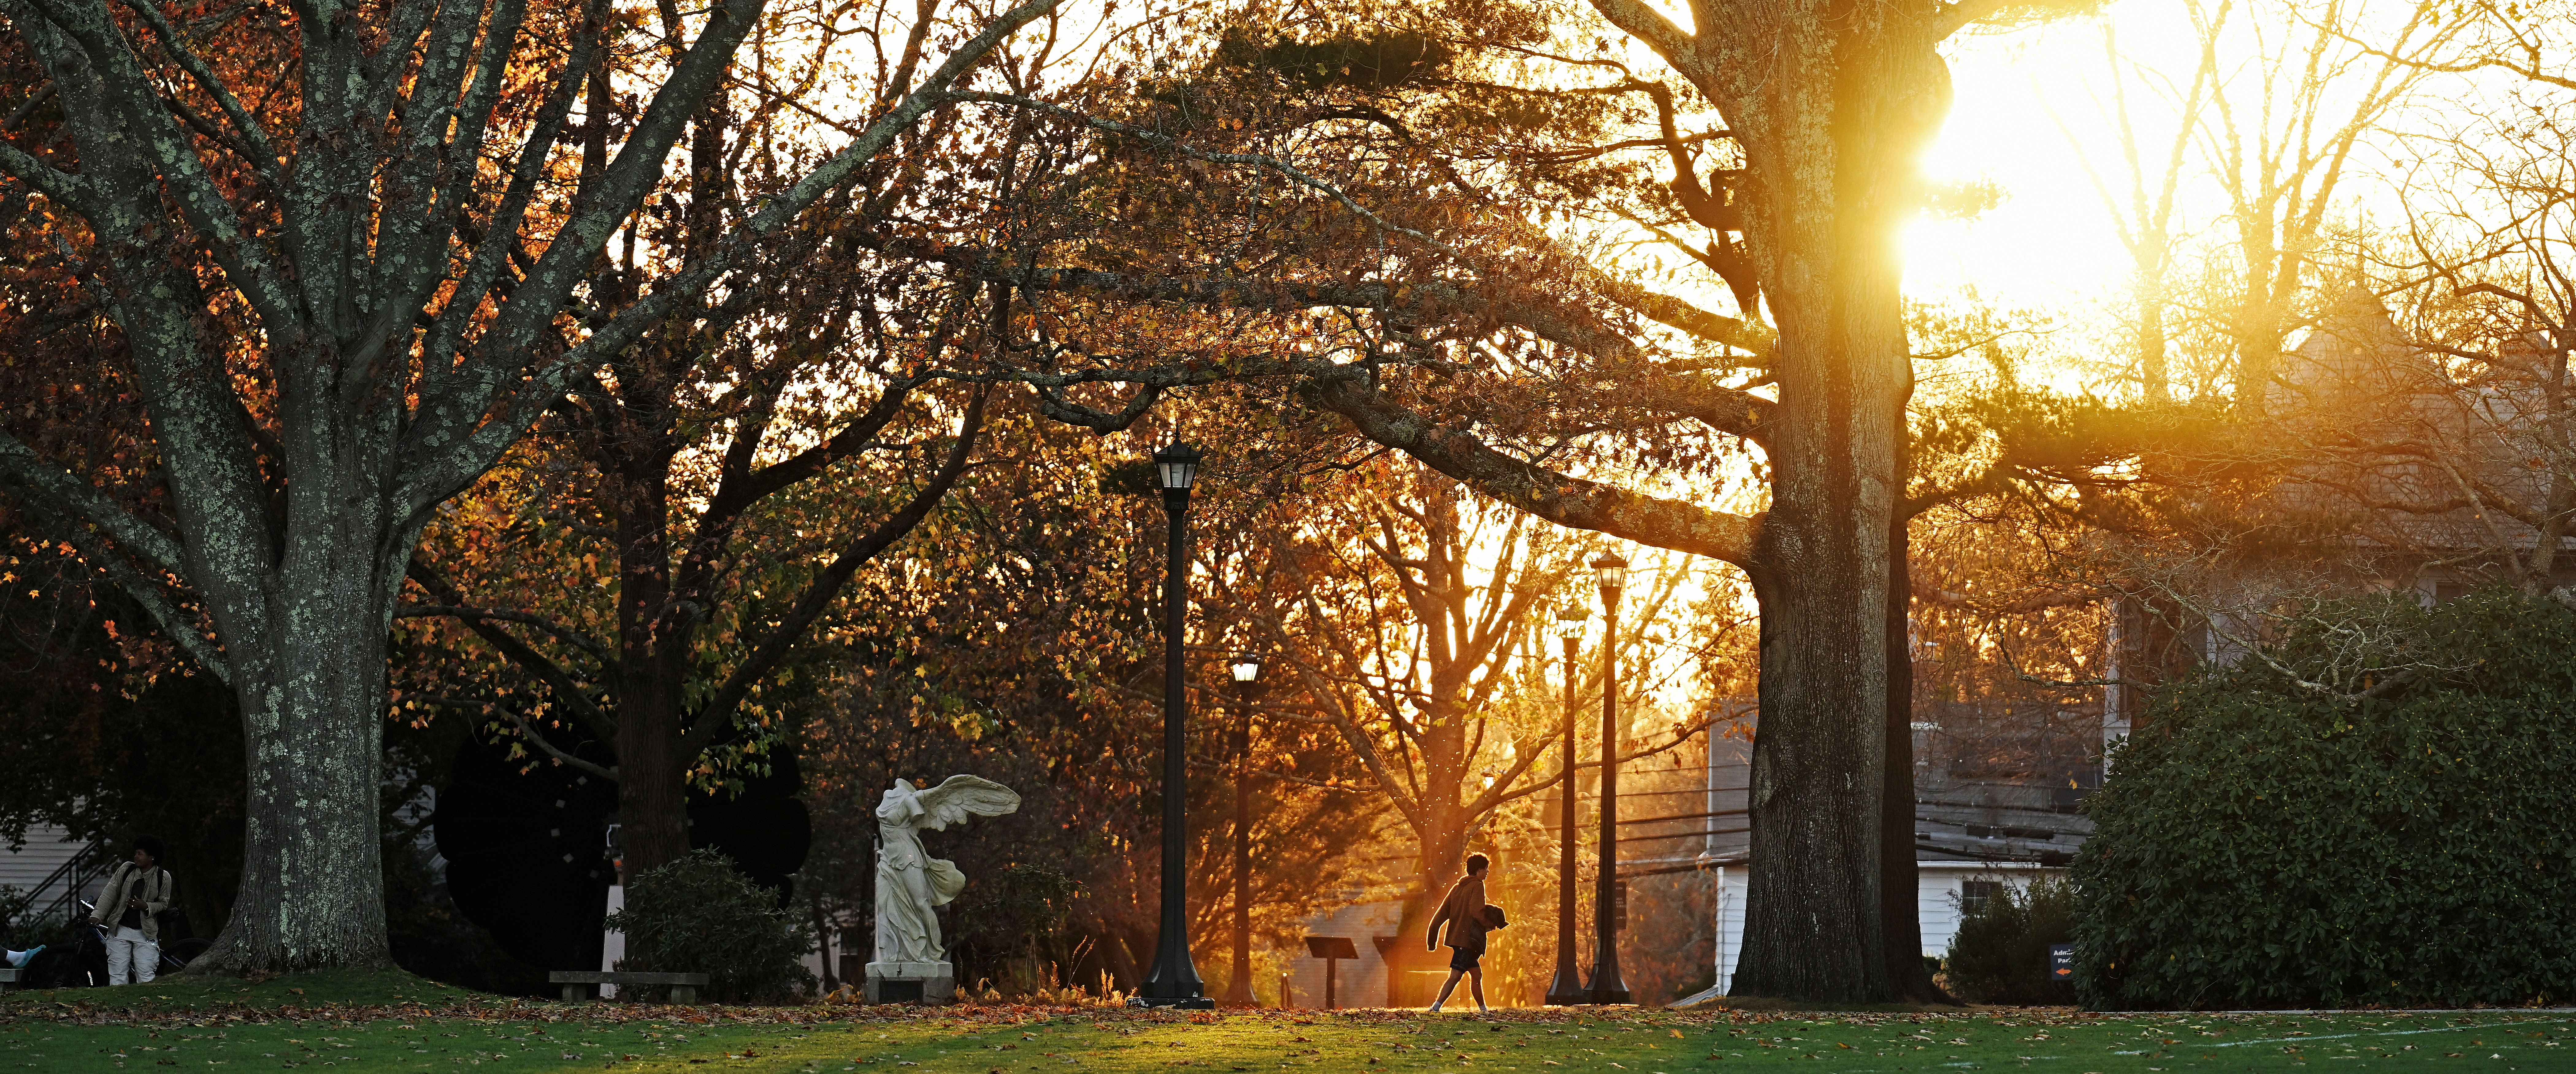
910, 982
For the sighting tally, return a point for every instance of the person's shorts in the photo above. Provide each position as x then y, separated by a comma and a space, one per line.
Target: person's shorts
1463, 959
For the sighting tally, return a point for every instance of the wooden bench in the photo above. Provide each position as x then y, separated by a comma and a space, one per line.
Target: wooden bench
684, 986
10, 975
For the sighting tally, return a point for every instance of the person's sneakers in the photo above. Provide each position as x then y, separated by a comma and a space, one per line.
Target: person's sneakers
20, 959
1435, 1008
1482, 1009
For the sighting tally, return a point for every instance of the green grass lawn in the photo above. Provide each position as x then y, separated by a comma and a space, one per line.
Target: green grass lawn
388, 1023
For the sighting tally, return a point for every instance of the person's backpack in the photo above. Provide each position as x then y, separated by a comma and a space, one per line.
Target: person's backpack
1494, 917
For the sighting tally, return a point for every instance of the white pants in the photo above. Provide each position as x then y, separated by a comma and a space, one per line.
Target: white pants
131, 959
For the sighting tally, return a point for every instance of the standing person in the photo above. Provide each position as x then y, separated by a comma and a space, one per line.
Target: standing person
135, 895
1464, 911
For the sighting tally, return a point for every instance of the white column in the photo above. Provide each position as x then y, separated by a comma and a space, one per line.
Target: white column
612, 945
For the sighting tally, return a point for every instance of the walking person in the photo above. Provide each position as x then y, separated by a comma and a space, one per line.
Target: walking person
136, 894
1465, 912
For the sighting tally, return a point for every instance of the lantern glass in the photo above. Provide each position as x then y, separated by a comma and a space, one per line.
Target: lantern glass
1570, 621
1177, 466
1611, 570
1246, 666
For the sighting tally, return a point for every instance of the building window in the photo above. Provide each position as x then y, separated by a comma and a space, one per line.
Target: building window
1974, 893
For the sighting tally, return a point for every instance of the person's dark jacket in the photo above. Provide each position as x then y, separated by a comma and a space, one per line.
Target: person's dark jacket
1464, 911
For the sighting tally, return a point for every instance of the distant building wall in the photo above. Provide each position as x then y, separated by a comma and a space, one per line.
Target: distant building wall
49, 847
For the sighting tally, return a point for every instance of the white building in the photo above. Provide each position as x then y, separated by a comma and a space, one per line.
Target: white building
47, 867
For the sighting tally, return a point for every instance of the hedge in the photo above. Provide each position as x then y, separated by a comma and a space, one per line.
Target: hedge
2265, 844
2000, 953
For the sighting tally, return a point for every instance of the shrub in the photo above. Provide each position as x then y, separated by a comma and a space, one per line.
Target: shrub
2263, 843
1011, 927
2000, 953
19, 927
697, 915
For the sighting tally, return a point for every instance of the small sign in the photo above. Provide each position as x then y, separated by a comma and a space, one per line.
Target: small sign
2061, 962
1331, 947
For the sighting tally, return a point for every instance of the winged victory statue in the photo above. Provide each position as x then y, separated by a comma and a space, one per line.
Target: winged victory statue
910, 883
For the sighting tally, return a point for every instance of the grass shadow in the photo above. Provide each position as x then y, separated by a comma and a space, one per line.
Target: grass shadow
1760, 1005
301, 991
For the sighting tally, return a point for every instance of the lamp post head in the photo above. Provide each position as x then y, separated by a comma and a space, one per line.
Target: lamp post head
1570, 620
1176, 467
1611, 570
1246, 667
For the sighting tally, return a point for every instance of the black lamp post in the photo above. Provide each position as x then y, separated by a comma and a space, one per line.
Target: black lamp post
1247, 675
1611, 571
1567, 989
1174, 980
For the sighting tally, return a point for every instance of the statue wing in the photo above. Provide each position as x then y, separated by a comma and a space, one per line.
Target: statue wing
951, 801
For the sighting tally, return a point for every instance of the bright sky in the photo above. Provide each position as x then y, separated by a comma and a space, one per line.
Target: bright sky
2034, 105
2050, 241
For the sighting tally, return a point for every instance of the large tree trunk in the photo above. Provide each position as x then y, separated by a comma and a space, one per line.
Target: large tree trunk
653, 755
653, 763
1444, 857
654, 759
1832, 104
309, 668
1812, 928
1441, 820
1440, 851
1440, 854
